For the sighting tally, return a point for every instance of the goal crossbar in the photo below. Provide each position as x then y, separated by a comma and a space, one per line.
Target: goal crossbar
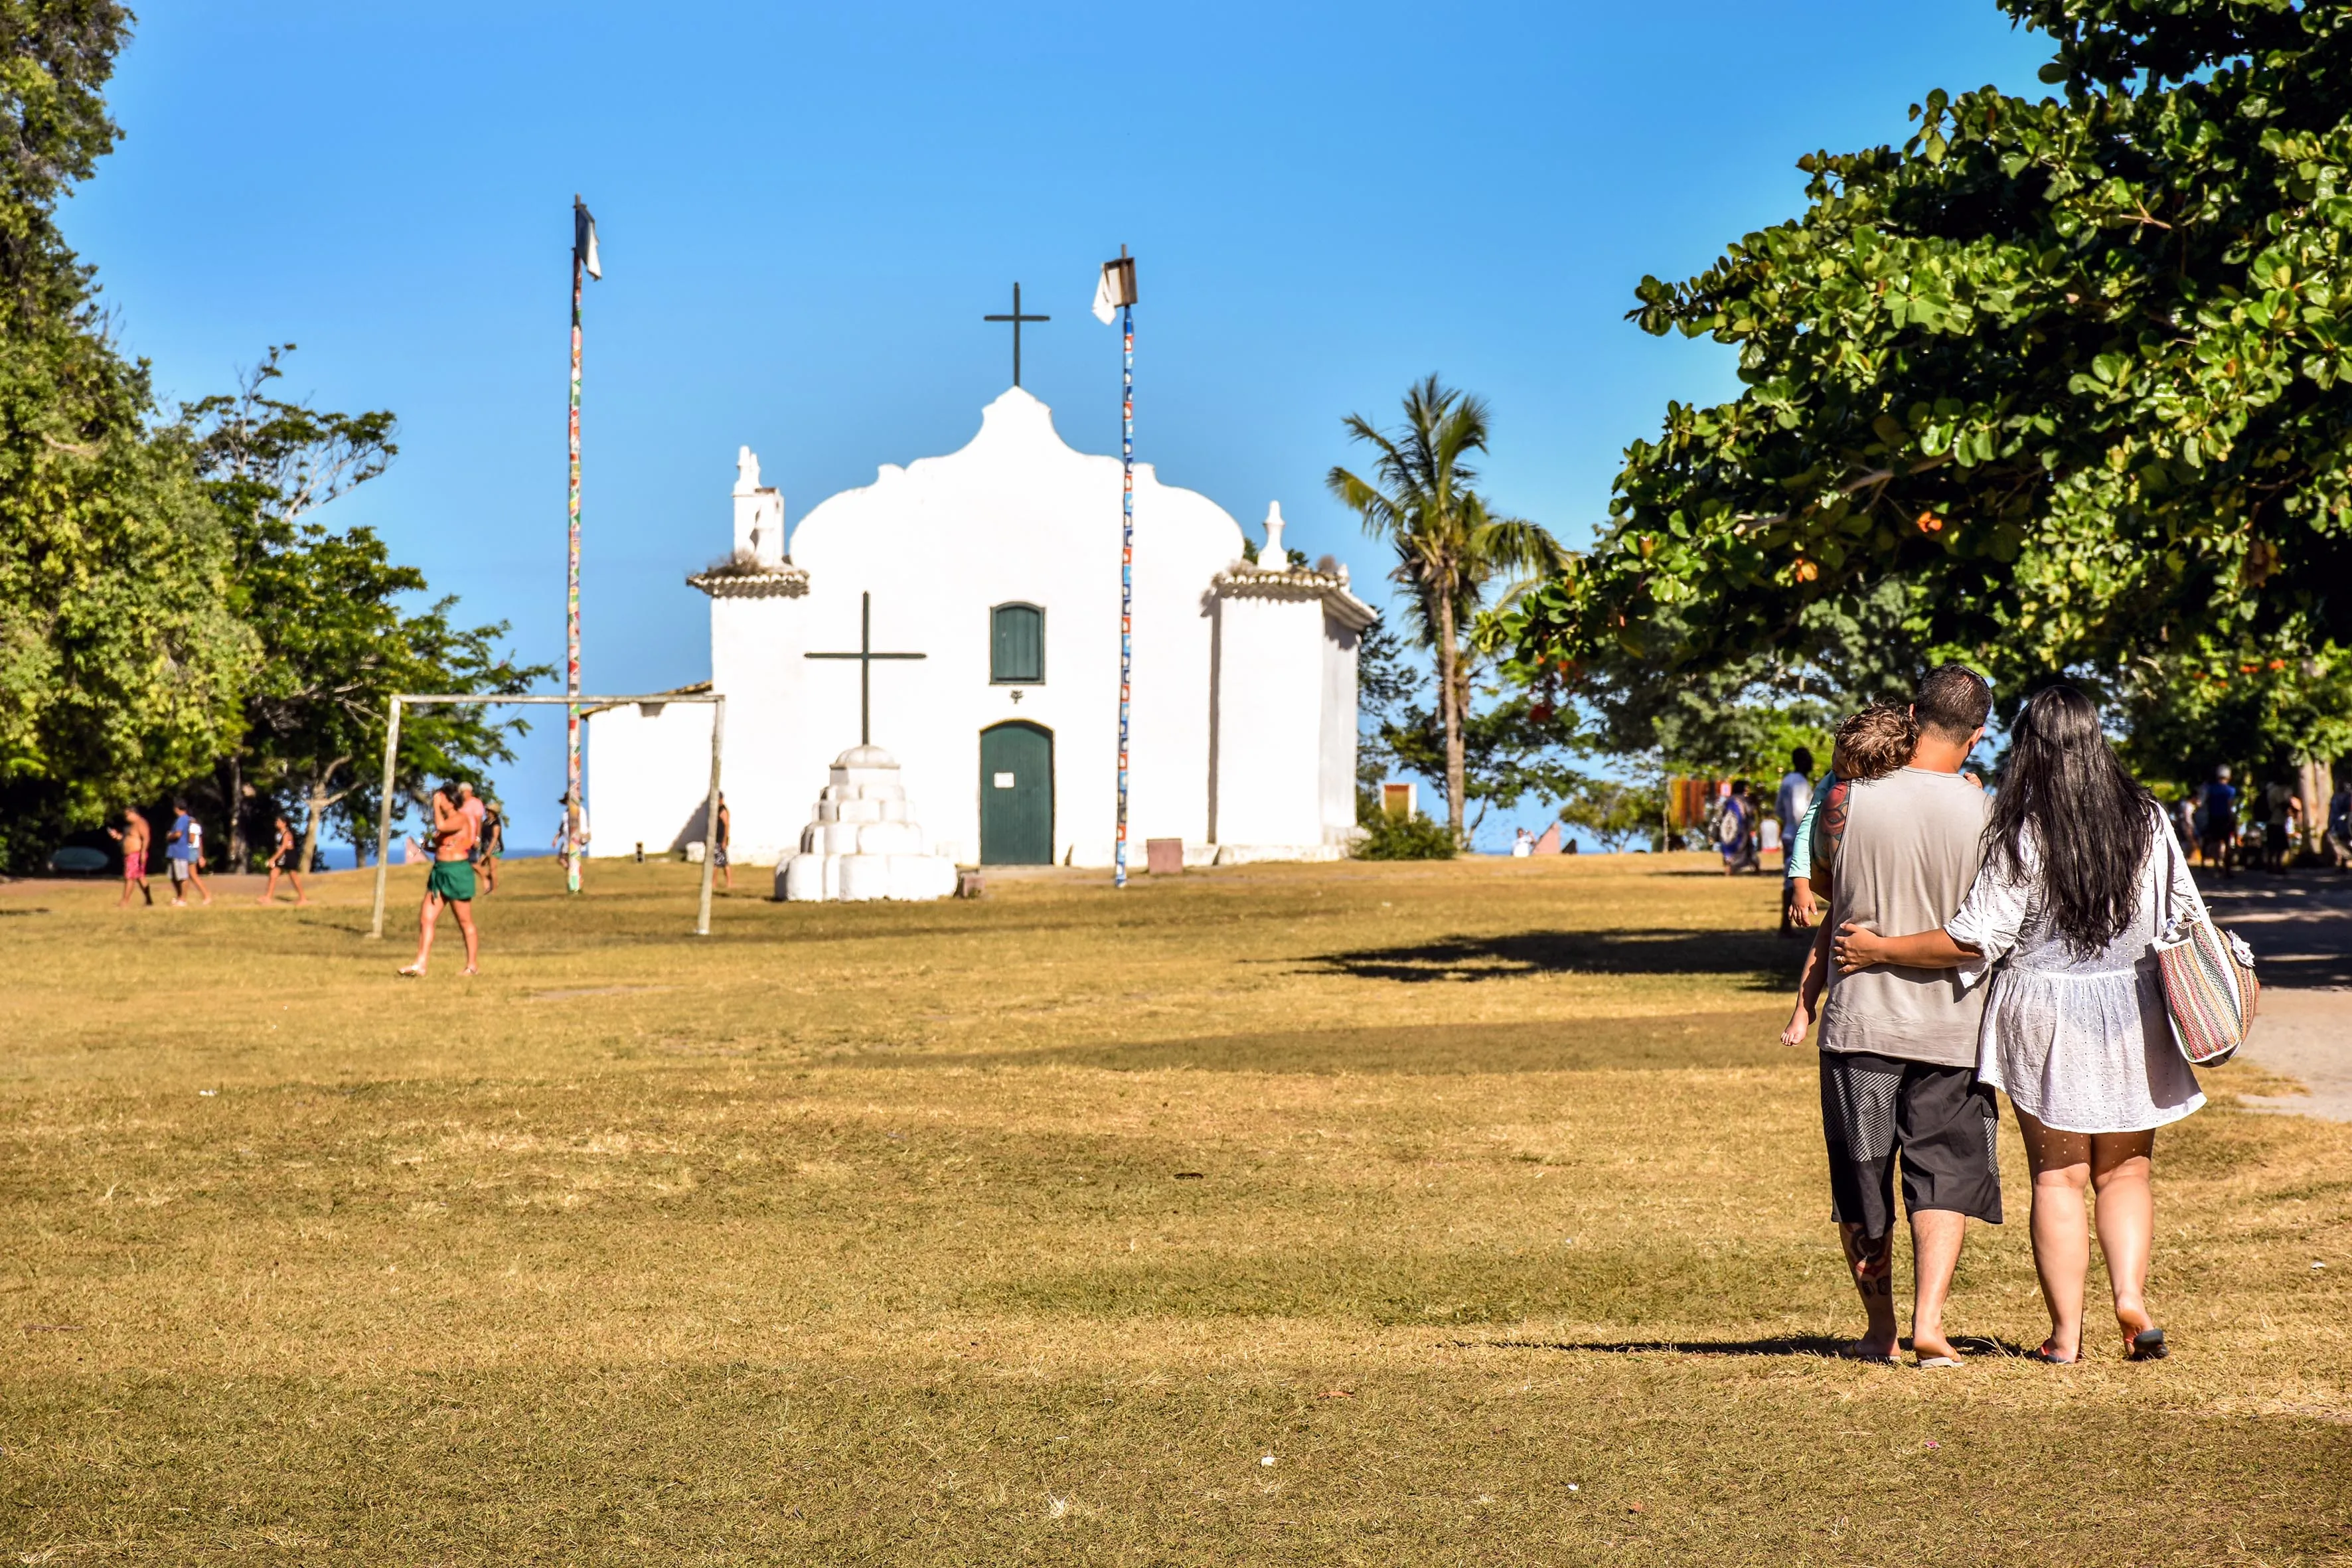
718, 704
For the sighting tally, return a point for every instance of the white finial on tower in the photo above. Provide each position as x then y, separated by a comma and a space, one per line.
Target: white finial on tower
758, 513
1272, 556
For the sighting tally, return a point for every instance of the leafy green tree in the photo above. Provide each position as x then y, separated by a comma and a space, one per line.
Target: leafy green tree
2062, 376
1618, 812
120, 659
328, 609
269, 464
1512, 745
2261, 710
1451, 547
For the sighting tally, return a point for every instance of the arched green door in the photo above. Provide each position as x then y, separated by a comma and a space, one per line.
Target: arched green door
1016, 794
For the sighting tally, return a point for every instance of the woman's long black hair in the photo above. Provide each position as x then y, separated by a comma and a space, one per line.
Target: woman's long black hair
2091, 823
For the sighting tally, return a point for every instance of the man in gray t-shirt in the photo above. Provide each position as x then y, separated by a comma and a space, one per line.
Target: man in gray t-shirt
1899, 1046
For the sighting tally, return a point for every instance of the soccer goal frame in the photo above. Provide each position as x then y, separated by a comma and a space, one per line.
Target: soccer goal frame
718, 704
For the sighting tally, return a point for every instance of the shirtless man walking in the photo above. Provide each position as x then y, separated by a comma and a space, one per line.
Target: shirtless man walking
133, 836
451, 882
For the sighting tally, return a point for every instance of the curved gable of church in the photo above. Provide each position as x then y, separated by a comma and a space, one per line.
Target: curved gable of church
1015, 489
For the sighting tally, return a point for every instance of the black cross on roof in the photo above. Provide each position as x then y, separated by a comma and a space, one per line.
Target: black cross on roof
1016, 319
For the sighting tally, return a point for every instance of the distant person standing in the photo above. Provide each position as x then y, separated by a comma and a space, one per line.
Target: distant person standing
2278, 818
2220, 822
196, 860
283, 855
1735, 832
451, 882
564, 831
719, 841
1789, 804
179, 852
2340, 824
134, 836
494, 844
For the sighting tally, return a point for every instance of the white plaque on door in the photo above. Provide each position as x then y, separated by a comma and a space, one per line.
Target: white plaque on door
1004, 781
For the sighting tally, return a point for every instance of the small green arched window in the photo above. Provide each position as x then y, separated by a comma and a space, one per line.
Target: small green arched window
1016, 645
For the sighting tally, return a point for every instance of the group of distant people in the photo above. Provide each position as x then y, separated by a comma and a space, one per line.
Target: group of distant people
184, 856
2275, 820
1975, 943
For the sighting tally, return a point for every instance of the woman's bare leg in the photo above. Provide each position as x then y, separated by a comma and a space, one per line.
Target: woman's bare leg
2120, 1166
464, 912
270, 894
294, 879
2061, 1164
426, 915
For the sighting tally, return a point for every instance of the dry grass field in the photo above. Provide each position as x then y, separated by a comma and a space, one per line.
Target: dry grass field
1394, 1214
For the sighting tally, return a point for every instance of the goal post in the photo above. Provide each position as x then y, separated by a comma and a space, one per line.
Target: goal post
718, 704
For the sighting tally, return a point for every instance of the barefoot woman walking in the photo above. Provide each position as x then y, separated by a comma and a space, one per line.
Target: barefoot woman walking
451, 882
2080, 871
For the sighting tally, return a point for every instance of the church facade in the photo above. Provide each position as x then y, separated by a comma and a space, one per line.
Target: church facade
963, 613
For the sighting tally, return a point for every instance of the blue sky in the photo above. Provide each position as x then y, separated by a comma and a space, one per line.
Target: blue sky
806, 209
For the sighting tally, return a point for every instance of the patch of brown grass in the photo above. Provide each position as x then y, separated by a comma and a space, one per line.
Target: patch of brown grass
1476, 1196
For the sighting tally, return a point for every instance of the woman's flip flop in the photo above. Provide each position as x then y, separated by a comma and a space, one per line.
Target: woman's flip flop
2047, 1357
1929, 1363
2148, 1345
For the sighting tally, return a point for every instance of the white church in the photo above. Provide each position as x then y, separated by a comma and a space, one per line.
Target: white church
984, 586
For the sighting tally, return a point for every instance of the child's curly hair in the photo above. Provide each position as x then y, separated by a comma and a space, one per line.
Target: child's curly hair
1875, 743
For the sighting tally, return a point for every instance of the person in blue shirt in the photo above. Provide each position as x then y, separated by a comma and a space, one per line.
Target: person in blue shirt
2221, 823
1792, 805
180, 850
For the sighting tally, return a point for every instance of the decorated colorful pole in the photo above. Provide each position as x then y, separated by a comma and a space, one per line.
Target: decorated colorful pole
1116, 289
583, 264
1125, 561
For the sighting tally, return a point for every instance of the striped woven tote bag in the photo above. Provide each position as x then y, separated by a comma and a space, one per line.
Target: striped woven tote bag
2209, 989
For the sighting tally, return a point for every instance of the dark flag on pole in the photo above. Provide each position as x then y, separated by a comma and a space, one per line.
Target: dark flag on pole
583, 239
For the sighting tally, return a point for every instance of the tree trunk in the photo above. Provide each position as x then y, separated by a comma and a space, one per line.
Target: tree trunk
235, 791
314, 808
1449, 658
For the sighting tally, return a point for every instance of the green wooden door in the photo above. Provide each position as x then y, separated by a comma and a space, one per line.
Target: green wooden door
1016, 795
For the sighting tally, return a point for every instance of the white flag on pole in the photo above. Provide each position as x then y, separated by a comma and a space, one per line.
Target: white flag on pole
1115, 287
583, 239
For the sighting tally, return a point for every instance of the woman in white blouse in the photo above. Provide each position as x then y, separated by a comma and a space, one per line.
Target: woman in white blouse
2081, 876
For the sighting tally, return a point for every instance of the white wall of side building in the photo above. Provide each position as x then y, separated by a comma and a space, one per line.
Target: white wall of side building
648, 778
1343, 633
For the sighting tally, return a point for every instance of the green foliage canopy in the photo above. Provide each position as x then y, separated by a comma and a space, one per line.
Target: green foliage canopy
2062, 376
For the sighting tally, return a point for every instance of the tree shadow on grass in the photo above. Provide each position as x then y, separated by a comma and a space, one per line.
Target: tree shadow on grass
1669, 1042
1823, 1345
1764, 959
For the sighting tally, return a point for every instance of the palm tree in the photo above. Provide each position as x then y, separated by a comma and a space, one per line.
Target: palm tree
1450, 547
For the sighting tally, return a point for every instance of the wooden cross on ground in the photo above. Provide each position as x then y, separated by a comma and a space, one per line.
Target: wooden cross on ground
866, 656
1016, 319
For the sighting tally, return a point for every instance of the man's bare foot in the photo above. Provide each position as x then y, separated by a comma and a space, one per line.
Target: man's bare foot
470, 969
261, 900
208, 902
301, 903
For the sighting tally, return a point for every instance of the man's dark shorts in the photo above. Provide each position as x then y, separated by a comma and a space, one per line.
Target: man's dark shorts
1945, 1123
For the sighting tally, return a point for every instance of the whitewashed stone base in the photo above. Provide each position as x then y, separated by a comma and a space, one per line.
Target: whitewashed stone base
861, 842
1256, 854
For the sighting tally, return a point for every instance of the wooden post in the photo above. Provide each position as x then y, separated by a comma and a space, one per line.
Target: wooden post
710, 814
383, 819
